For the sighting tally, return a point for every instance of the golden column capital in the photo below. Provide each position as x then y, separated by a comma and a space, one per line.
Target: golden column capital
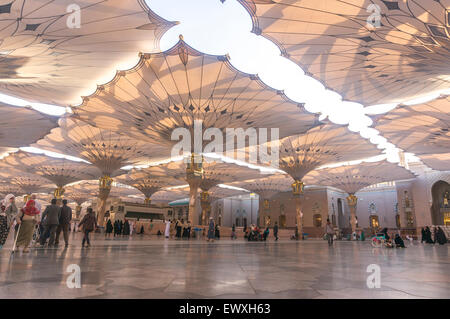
59, 192
266, 203
298, 187
204, 197
105, 182
352, 200
194, 167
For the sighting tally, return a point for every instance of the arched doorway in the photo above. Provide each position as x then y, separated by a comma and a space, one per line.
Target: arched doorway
440, 208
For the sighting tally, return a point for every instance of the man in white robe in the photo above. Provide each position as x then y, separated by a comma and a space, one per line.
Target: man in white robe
167, 231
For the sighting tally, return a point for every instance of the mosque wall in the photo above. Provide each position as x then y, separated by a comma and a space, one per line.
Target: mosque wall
380, 204
315, 210
234, 210
338, 210
421, 191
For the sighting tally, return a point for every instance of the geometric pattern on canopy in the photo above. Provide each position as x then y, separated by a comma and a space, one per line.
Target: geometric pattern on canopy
214, 172
82, 192
407, 55
21, 126
45, 60
439, 162
106, 150
28, 183
8, 188
59, 171
217, 192
91, 190
322, 145
167, 196
352, 178
148, 184
268, 186
171, 89
420, 129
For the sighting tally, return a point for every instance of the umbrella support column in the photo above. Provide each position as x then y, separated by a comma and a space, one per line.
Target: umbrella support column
352, 200
105, 184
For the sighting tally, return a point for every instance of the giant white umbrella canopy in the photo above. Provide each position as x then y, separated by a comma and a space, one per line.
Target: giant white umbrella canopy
211, 174
326, 144
8, 188
59, 171
218, 192
147, 184
402, 57
166, 196
439, 162
107, 150
352, 178
28, 183
46, 56
21, 126
88, 189
175, 88
266, 188
420, 129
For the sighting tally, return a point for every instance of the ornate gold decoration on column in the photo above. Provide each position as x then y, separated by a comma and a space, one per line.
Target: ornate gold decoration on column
78, 211
147, 201
194, 175
352, 200
105, 183
26, 198
266, 204
204, 201
298, 188
59, 192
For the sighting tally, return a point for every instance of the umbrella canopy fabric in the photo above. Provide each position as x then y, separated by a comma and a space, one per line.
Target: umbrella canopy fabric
49, 47
369, 51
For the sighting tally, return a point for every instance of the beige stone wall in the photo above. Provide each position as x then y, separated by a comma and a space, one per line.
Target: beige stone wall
421, 189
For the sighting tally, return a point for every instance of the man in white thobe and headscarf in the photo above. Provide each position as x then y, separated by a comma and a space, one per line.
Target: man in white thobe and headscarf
167, 231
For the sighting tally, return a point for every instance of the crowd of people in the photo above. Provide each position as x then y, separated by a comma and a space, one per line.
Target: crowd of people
45, 227
178, 228
119, 228
439, 236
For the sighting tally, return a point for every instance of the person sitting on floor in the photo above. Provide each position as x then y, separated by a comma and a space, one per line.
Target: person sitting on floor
399, 241
441, 239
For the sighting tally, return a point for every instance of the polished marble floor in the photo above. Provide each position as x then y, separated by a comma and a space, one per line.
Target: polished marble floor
157, 268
